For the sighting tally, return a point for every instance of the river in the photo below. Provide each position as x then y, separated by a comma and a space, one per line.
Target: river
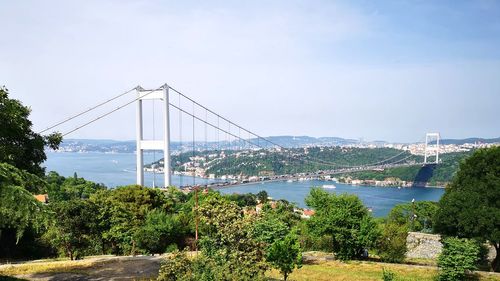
119, 169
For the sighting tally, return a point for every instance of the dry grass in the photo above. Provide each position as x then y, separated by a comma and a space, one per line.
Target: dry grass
48, 267
107, 267
364, 271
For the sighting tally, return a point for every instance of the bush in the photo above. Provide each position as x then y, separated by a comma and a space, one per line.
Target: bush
391, 245
459, 256
175, 267
159, 230
171, 248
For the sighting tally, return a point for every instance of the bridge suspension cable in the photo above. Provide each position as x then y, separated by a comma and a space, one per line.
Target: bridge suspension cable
86, 111
108, 113
258, 138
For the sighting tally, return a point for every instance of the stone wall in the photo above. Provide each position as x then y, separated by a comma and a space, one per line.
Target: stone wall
428, 246
423, 245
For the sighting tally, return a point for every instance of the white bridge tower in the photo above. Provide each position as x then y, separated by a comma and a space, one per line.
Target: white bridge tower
158, 94
432, 149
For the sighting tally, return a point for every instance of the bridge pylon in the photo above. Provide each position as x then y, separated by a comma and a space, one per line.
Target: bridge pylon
157, 94
432, 149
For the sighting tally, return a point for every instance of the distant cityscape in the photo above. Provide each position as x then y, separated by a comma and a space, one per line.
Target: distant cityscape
112, 146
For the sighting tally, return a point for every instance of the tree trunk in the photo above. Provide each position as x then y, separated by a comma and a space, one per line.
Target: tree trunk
495, 264
285, 275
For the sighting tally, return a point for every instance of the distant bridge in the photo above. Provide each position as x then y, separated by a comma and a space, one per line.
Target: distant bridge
199, 122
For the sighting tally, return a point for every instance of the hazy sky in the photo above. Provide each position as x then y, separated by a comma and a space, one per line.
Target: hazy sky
389, 70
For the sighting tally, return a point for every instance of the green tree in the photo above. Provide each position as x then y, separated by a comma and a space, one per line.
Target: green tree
344, 218
391, 245
63, 189
243, 200
285, 255
227, 241
262, 196
269, 230
470, 207
20, 146
18, 208
122, 212
283, 211
459, 256
419, 216
73, 227
159, 230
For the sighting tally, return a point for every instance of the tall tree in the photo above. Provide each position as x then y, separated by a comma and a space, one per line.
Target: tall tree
285, 255
20, 146
159, 230
73, 227
344, 218
470, 207
122, 212
227, 241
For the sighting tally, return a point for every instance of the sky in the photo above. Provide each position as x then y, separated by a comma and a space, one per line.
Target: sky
377, 70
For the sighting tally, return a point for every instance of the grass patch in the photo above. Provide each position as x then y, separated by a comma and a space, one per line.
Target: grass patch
364, 271
77, 266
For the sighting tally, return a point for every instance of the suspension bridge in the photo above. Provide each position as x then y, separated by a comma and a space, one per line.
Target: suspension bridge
202, 129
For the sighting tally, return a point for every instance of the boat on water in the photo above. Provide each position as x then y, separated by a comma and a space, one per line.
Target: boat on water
329, 186
289, 181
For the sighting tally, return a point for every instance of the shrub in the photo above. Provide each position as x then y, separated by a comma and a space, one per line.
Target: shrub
171, 248
175, 267
391, 245
458, 257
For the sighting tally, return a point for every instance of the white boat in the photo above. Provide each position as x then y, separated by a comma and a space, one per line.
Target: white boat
289, 181
330, 186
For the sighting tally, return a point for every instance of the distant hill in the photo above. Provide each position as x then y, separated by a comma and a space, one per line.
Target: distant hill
302, 141
108, 146
114, 146
469, 140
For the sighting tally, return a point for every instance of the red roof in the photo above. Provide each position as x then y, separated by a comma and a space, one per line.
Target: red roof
308, 212
44, 198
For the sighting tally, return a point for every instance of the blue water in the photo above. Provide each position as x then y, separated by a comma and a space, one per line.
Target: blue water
379, 199
119, 169
113, 170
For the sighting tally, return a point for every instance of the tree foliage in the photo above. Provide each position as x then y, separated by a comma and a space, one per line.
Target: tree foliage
470, 207
419, 216
391, 245
159, 230
122, 212
18, 208
459, 257
262, 196
285, 255
73, 227
228, 241
20, 146
62, 189
178, 267
269, 230
344, 218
